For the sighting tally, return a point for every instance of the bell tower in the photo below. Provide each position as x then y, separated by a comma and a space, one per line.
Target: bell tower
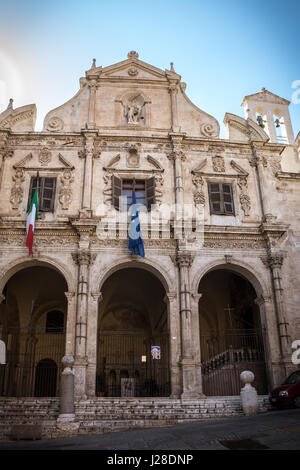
271, 112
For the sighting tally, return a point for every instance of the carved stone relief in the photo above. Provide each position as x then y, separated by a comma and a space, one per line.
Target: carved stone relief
16, 195
134, 110
218, 164
45, 156
55, 124
244, 197
65, 193
133, 157
198, 194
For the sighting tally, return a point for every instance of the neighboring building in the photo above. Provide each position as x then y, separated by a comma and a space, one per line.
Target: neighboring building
213, 308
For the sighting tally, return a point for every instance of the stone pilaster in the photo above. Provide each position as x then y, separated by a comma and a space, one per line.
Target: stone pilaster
274, 262
88, 154
92, 102
173, 89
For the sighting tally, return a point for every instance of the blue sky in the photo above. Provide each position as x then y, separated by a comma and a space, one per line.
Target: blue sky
223, 50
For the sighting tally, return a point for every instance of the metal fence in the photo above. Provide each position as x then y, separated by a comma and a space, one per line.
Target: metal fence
33, 363
127, 368
224, 356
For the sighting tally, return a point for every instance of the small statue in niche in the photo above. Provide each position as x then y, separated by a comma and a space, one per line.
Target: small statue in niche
134, 110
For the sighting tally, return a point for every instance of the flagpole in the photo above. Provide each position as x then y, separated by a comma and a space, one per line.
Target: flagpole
37, 183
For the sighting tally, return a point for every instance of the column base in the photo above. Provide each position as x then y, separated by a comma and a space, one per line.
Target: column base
66, 418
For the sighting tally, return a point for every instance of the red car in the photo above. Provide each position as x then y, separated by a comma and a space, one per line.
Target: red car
288, 393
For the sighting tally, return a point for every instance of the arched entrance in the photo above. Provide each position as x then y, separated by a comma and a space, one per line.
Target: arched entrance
45, 378
133, 337
231, 333
32, 326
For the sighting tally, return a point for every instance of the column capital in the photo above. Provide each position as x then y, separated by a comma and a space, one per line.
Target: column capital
196, 296
184, 259
69, 296
84, 257
170, 297
97, 296
273, 260
262, 300
6, 153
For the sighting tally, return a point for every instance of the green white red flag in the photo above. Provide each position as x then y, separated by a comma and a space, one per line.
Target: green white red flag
31, 218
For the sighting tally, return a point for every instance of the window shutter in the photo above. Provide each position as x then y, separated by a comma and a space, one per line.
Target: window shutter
214, 198
47, 194
228, 198
116, 191
31, 191
150, 192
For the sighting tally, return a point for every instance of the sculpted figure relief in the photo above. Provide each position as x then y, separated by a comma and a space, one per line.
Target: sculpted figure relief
133, 110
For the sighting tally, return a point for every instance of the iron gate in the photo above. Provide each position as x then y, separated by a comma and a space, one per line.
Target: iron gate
127, 368
224, 356
33, 363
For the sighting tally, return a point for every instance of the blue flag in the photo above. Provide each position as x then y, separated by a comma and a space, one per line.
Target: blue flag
135, 244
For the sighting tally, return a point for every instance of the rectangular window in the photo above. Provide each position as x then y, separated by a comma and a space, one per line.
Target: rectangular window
221, 198
46, 193
137, 186
144, 191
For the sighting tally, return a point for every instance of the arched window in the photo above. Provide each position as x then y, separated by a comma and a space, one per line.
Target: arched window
55, 322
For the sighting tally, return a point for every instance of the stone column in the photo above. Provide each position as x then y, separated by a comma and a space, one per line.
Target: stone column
174, 343
67, 410
271, 127
83, 258
94, 300
189, 380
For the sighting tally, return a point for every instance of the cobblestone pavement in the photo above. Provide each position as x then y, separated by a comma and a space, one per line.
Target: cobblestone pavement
271, 430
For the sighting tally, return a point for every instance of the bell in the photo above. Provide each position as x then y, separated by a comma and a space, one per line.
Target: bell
260, 121
277, 122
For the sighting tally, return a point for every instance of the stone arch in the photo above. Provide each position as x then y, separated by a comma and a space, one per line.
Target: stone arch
133, 313
23, 263
152, 267
243, 341
239, 267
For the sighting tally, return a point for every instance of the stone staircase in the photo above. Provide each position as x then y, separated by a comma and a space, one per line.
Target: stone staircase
99, 415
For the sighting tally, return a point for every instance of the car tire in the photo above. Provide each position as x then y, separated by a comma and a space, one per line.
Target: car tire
297, 401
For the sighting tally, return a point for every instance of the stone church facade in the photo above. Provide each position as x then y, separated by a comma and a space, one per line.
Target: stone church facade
212, 304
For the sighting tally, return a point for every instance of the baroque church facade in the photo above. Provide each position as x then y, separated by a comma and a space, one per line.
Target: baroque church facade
186, 319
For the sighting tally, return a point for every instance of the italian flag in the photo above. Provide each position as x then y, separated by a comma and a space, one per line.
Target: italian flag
31, 218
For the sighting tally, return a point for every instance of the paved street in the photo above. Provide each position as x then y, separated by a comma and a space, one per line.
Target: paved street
271, 430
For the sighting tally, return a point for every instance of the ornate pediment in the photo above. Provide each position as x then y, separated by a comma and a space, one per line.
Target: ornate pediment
44, 159
131, 69
21, 119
